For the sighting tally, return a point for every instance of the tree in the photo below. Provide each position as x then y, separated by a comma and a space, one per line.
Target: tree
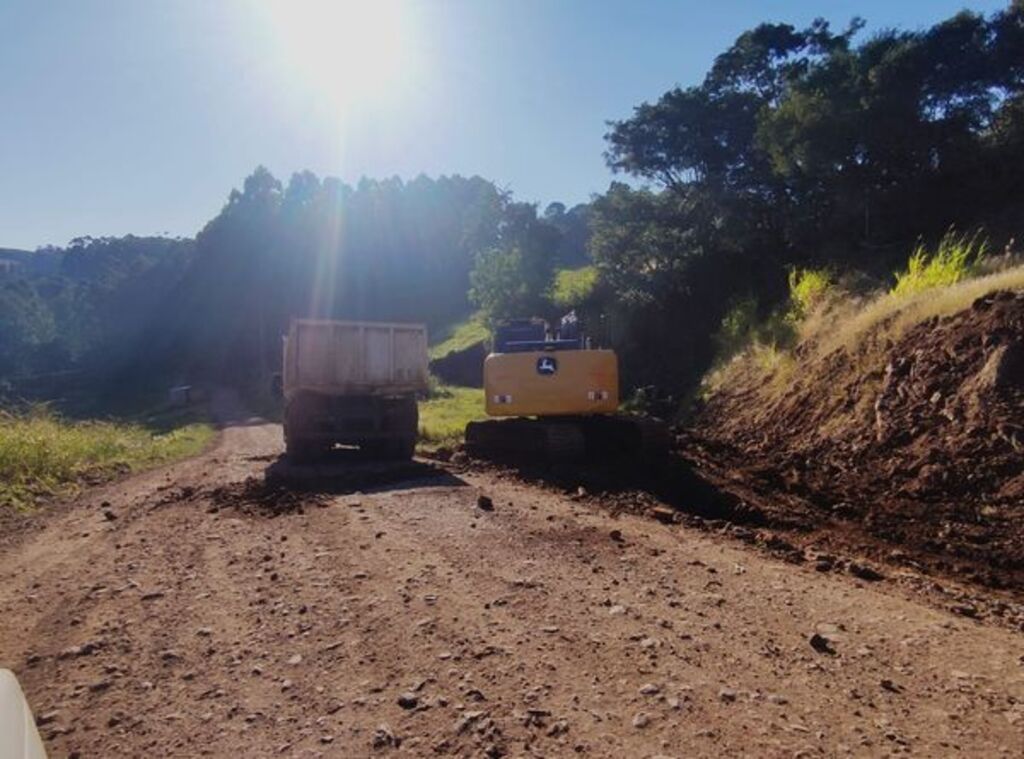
513, 278
802, 147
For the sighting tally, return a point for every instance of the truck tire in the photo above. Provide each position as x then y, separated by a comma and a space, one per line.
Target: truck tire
403, 449
299, 414
405, 420
300, 451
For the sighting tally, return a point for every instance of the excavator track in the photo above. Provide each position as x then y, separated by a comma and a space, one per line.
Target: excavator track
515, 439
619, 437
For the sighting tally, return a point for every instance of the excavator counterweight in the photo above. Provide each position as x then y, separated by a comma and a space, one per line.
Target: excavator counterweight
560, 400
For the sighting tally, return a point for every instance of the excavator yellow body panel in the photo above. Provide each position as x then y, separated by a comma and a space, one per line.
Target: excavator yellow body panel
551, 383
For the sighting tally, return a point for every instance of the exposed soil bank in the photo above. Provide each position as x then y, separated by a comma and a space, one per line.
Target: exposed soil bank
919, 442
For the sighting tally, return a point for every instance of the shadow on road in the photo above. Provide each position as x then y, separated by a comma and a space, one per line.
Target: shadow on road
347, 470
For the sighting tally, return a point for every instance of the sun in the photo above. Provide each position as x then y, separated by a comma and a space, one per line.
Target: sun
352, 53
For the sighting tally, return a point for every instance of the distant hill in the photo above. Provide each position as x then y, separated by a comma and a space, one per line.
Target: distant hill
29, 262
13, 254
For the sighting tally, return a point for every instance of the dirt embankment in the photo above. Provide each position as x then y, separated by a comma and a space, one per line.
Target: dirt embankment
917, 440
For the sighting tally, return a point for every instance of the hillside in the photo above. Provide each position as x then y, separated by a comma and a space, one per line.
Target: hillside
901, 418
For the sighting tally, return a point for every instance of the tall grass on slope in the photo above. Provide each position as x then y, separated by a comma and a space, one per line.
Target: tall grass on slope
957, 257
460, 336
824, 319
893, 315
809, 290
42, 454
745, 338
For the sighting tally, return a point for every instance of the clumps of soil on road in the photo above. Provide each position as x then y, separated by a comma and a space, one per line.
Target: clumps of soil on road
288, 487
917, 441
257, 497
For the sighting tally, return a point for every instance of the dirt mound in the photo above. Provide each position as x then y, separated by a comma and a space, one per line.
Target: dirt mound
256, 496
919, 440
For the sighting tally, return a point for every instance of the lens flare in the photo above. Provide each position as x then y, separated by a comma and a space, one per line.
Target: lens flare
352, 54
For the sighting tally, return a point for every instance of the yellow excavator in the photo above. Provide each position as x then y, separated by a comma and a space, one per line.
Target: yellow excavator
559, 398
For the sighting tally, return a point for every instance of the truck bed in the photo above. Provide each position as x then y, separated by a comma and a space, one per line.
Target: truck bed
355, 358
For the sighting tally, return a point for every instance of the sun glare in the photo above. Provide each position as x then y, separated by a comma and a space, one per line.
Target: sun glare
352, 53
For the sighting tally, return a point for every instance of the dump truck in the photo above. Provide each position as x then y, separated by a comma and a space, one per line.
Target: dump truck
352, 383
557, 397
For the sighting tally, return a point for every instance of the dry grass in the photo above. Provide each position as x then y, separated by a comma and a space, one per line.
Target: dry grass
890, 315
860, 327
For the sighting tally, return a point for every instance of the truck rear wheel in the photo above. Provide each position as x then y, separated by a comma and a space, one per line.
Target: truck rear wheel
403, 449
395, 449
404, 421
300, 451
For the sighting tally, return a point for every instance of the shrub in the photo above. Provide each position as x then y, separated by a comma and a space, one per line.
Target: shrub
808, 290
737, 329
957, 257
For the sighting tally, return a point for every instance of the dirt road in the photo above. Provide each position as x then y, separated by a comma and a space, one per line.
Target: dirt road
173, 614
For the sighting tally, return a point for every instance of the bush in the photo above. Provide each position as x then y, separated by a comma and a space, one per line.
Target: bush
573, 286
737, 330
743, 328
957, 257
808, 290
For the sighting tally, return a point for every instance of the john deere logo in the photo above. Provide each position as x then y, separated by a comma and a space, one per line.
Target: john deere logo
546, 365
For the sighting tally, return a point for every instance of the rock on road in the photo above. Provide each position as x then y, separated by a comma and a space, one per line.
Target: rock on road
153, 618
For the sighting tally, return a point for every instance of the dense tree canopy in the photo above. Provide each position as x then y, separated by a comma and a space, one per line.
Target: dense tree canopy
217, 306
803, 147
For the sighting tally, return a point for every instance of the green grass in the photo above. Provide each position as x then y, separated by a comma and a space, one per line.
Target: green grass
572, 286
43, 454
460, 336
443, 418
957, 257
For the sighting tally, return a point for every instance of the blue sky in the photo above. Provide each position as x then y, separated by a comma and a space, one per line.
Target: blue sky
139, 116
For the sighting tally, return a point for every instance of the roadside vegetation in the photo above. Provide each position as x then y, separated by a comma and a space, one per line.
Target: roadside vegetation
957, 257
444, 416
43, 454
822, 315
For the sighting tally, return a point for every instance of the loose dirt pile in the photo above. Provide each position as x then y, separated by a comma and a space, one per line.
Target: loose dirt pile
919, 441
